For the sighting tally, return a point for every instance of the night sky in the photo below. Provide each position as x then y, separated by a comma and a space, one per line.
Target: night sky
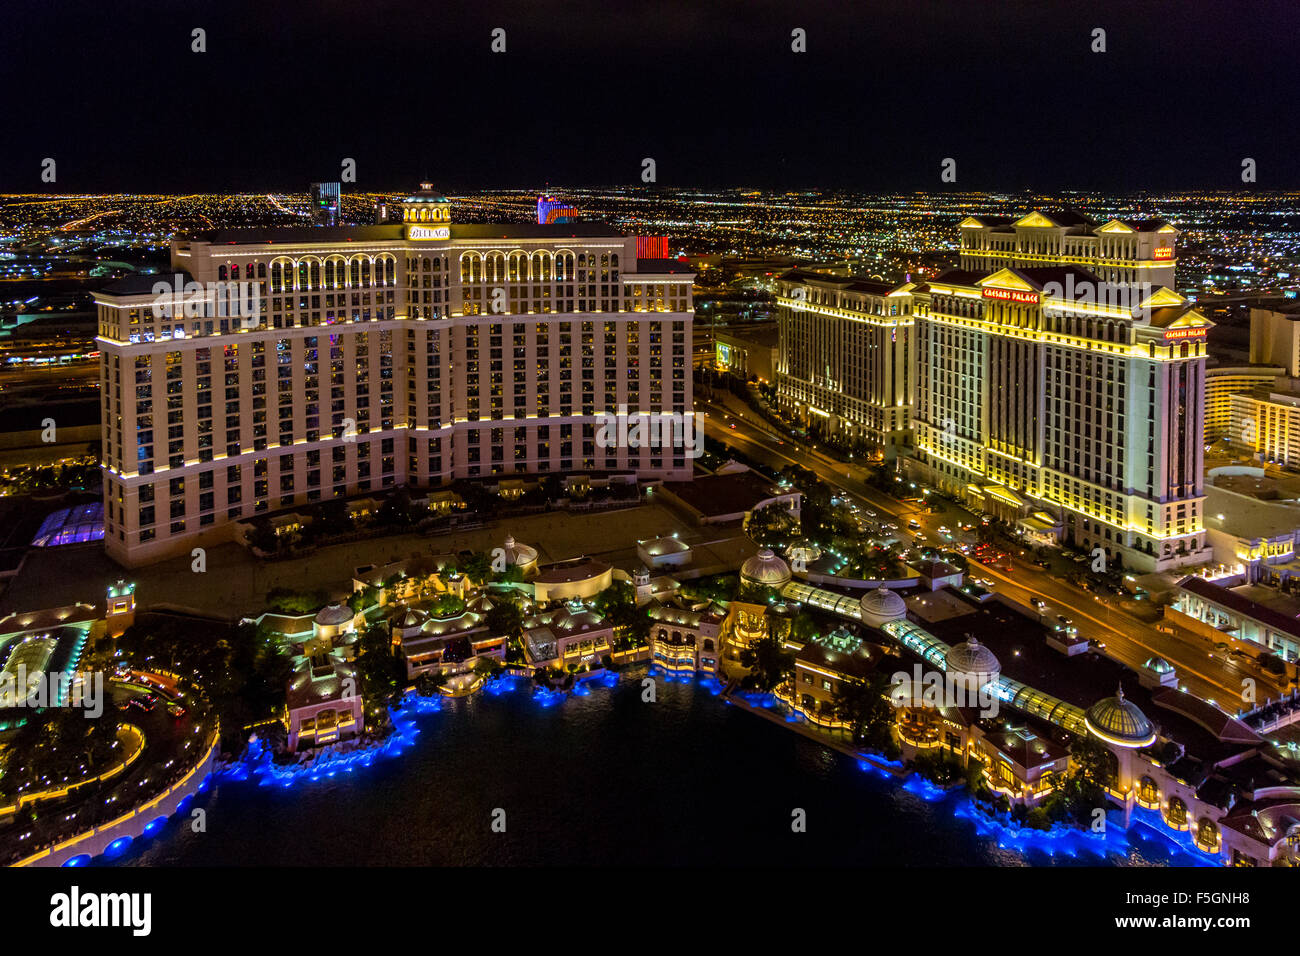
710, 89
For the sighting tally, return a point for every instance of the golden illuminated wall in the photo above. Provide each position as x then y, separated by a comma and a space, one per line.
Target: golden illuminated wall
1220, 385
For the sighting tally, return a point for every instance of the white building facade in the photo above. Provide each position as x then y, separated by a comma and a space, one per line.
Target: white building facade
844, 355
413, 352
1037, 402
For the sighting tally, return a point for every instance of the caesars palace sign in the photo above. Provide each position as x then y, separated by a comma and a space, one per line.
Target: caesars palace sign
1012, 295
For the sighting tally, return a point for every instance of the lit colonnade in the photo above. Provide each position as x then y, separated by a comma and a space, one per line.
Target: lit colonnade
1251, 825
930, 649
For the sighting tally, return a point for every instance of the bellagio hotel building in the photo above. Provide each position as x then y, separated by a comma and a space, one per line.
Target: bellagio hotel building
408, 353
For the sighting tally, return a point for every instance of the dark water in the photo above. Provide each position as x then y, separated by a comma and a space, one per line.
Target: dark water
607, 779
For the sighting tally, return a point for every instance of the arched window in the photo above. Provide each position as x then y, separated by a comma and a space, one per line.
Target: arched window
518, 269
1176, 813
1207, 834
564, 267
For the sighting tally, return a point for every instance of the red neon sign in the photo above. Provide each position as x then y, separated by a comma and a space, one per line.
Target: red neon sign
1173, 335
1012, 295
1164, 252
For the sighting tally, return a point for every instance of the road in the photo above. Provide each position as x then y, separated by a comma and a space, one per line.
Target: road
1201, 669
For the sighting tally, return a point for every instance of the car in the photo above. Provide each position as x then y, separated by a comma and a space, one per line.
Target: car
914, 524
1038, 603
1064, 620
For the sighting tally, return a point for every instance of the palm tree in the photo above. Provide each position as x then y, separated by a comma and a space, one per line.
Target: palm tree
865, 707
768, 661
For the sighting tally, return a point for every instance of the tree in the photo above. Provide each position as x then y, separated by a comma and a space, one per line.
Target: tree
504, 619
1093, 761
937, 766
379, 670
289, 601
803, 627
513, 574
617, 604
768, 661
1078, 793
865, 707
447, 605
61, 744
396, 509
430, 683
478, 567
366, 597
772, 526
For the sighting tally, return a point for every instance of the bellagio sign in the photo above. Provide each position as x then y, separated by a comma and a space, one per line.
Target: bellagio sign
428, 232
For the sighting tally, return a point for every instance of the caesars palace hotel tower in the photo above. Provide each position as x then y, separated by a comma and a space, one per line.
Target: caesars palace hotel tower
1059, 382
324, 362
